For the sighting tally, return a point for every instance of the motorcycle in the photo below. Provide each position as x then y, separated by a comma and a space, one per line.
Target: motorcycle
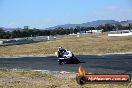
67, 57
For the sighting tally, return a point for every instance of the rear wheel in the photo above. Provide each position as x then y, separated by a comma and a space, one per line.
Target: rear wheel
76, 60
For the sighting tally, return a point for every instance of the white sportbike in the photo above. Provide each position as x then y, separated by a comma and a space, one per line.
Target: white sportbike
67, 57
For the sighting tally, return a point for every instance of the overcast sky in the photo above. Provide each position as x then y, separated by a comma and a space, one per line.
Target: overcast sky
47, 13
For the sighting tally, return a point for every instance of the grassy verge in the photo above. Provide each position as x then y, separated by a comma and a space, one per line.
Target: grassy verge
85, 44
31, 79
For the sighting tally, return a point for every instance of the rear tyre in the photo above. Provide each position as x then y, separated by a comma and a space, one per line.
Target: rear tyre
76, 60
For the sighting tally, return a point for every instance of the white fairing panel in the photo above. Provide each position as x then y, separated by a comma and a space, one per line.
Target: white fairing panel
67, 54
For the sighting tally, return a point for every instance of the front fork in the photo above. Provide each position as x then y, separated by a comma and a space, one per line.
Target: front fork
60, 61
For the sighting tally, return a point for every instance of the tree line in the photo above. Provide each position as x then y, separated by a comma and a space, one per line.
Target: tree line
20, 33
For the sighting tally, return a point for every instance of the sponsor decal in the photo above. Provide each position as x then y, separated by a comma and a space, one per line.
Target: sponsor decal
83, 78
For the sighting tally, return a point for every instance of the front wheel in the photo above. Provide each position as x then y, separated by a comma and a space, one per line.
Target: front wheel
60, 61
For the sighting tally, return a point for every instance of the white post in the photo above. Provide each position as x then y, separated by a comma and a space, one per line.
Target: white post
48, 37
1, 42
78, 35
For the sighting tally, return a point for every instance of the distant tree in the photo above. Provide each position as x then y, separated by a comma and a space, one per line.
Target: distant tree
71, 30
100, 27
1, 30
78, 28
67, 31
119, 26
130, 27
75, 30
2, 33
108, 27
61, 32
45, 32
6, 35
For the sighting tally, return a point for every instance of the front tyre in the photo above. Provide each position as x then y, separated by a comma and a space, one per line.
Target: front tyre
60, 61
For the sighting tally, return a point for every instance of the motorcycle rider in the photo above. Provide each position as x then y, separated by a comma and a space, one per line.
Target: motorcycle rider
60, 52
65, 56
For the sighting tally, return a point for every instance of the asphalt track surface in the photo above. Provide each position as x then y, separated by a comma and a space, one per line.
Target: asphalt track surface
108, 64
